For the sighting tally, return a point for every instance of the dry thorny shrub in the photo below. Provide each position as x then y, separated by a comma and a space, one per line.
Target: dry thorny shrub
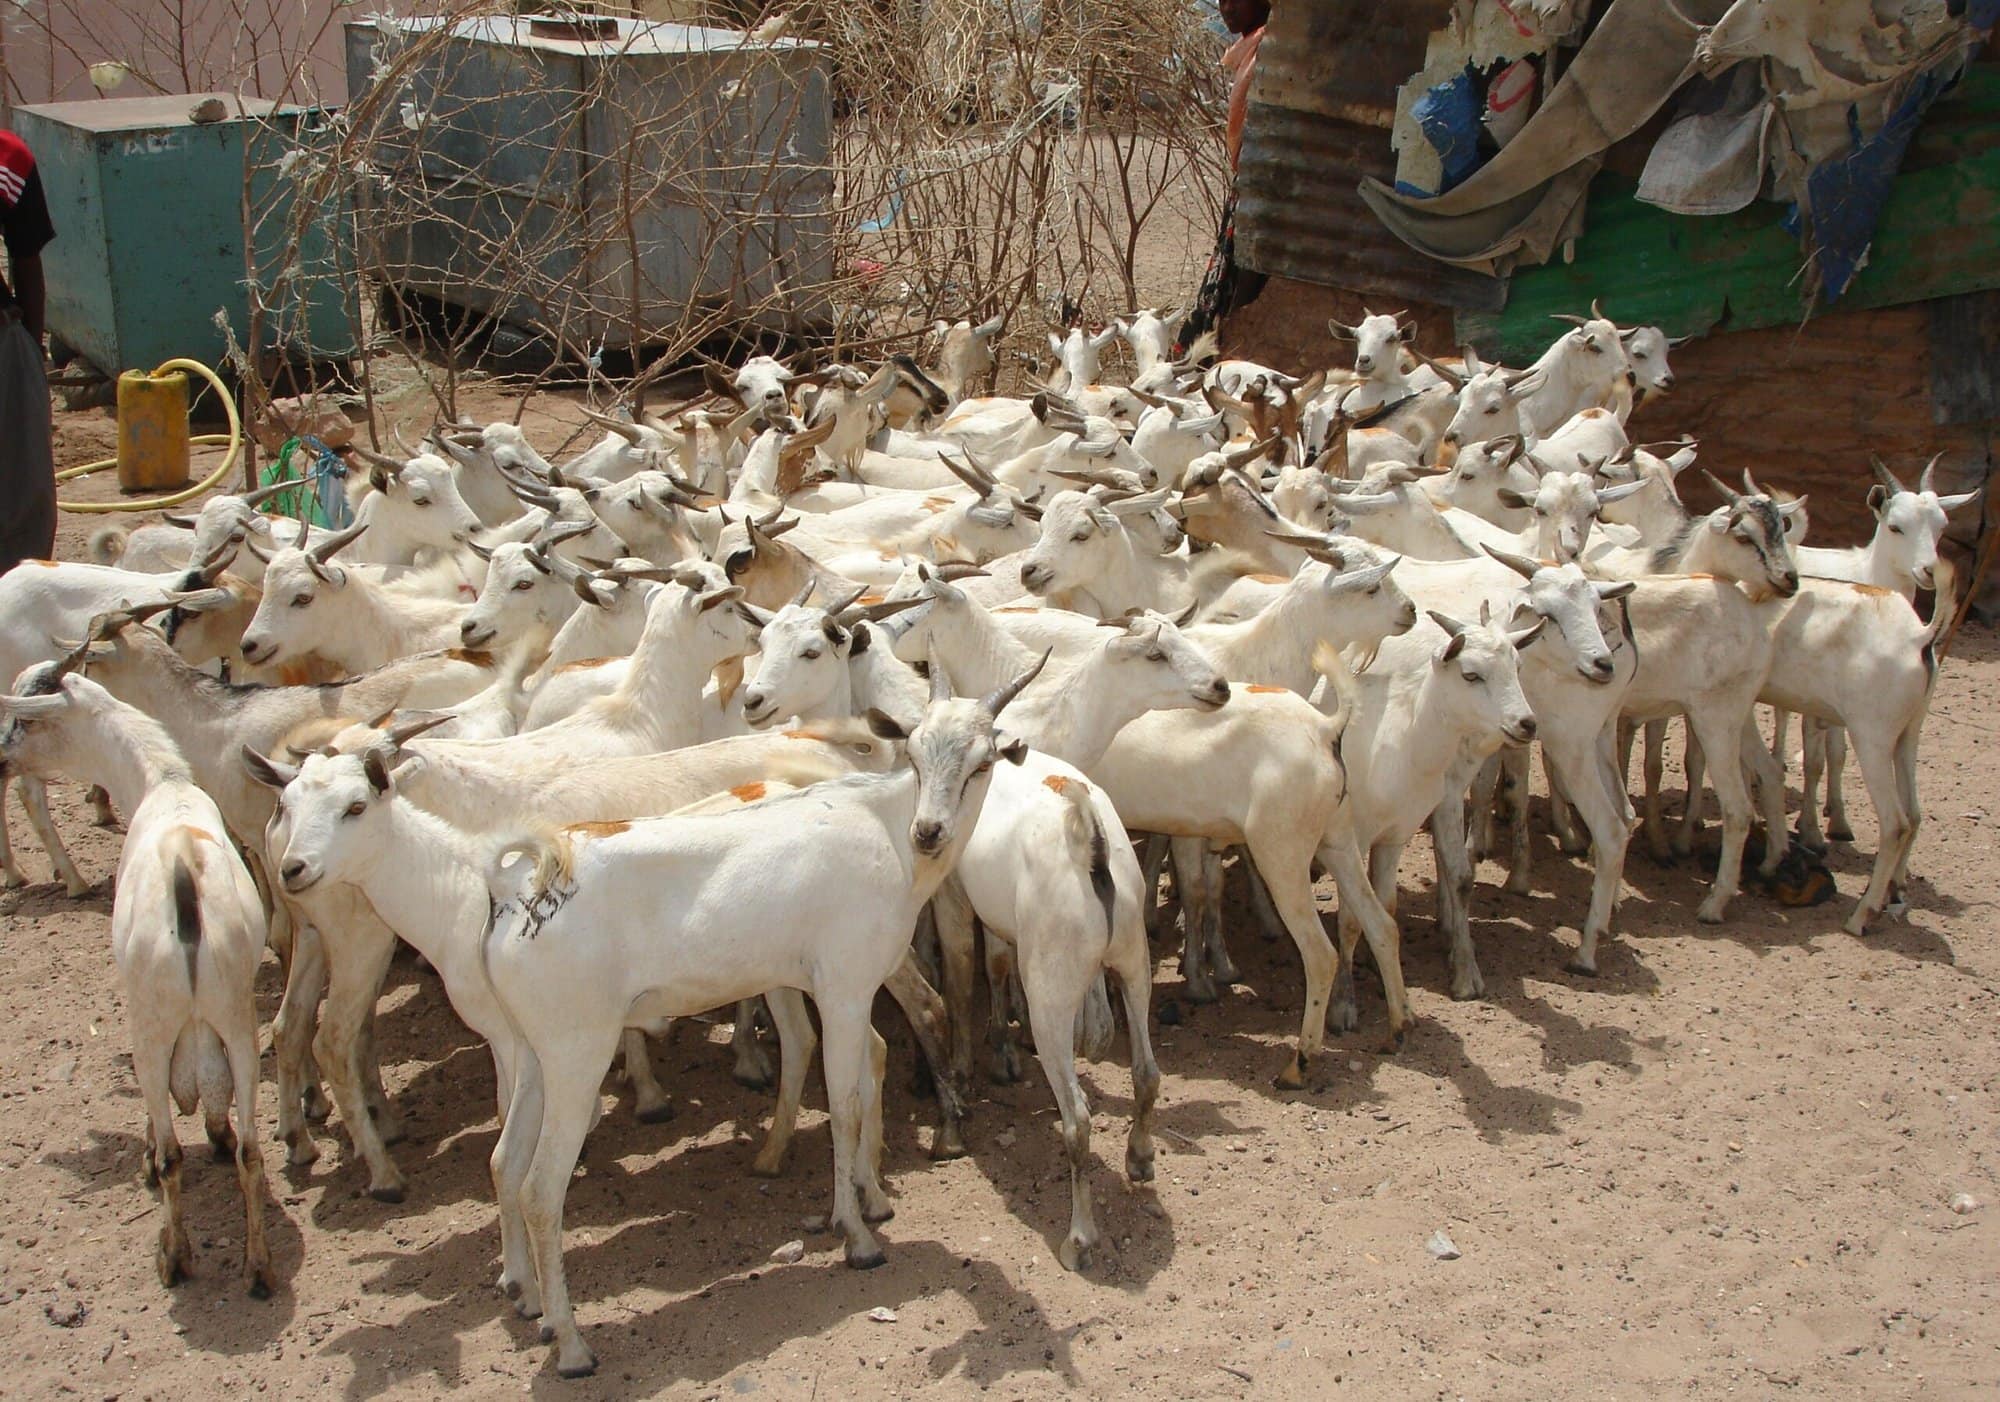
929, 159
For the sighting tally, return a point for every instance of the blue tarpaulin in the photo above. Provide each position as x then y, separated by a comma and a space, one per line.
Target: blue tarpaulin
1449, 116
1844, 197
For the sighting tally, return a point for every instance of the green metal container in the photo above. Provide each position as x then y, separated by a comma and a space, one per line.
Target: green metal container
148, 211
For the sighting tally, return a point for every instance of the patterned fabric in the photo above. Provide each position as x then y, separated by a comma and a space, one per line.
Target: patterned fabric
24, 213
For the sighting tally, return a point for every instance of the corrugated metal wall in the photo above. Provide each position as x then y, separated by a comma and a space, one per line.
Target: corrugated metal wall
1320, 112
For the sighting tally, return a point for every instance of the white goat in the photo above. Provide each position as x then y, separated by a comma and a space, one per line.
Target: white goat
187, 932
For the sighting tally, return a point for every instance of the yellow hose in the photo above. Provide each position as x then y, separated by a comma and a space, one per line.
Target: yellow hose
234, 438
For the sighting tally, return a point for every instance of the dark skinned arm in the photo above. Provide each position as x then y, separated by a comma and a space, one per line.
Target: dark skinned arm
32, 290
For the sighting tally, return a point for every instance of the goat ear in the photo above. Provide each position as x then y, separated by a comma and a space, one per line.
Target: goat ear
1509, 497
1878, 497
885, 726
1014, 751
1608, 590
377, 770
268, 772
1452, 648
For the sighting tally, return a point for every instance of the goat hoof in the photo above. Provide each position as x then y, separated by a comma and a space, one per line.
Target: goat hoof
1519, 886
260, 1284
387, 1192
1465, 990
1074, 1254
526, 1305
866, 1260
173, 1265
1201, 991
1139, 1167
1581, 969
1293, 1077
315, 1104
582, 1369
881, 1212
77, 889
751, 1080
1709, 915
1005, 1069
948, 1143
1393, 1043
1840, 832
656, 1114
14, 881
222, 1144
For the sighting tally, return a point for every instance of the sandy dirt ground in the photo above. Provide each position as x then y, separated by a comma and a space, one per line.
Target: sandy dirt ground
1724, 1166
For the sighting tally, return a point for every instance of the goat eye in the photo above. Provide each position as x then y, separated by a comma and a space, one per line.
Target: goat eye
1541, 511
811, 654
523, 584
1492, 408
1374, 591
357, 808
1475, 678
1895, 530
301, 601
420, 501
1156, 655
1079, 535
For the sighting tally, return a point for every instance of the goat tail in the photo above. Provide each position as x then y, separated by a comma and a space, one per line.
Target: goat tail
107, 545
1944, 575
1327, 661
551, 863
187, 900
1206, 347
1084, 836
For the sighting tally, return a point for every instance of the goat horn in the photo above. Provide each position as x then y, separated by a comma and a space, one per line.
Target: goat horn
396, 432
1729, 496
1884, 475
339, 540
995, 701
1570, 317
1928, 482
958, 570
804, 596
629, 432
940, 679
266, 492
1448, 375
1519, 564
1597, 310
1243, 457
390, 465
847, 602
410, 727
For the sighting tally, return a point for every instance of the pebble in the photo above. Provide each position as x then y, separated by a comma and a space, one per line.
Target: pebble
1964, 1203
1441, 1246
882, 1314
66, 1314
1354, 1066
789, 1253
1005, 1139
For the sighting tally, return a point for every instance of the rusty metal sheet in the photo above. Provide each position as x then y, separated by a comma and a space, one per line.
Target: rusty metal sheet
1320, 112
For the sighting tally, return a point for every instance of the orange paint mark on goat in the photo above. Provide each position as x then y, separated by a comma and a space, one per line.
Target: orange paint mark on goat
473, 657
1017, 609
45, 564
198, 834
748, 793
1270, 579
585, 663
799, 735
598, 829
295, 673
1874, 590
934, 505
1267, 690
1058, 783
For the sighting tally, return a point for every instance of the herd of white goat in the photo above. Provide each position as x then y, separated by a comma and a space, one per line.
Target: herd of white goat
730, 706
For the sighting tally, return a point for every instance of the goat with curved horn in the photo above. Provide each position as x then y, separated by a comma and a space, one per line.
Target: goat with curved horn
1728, 495
995, 701
627, 431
